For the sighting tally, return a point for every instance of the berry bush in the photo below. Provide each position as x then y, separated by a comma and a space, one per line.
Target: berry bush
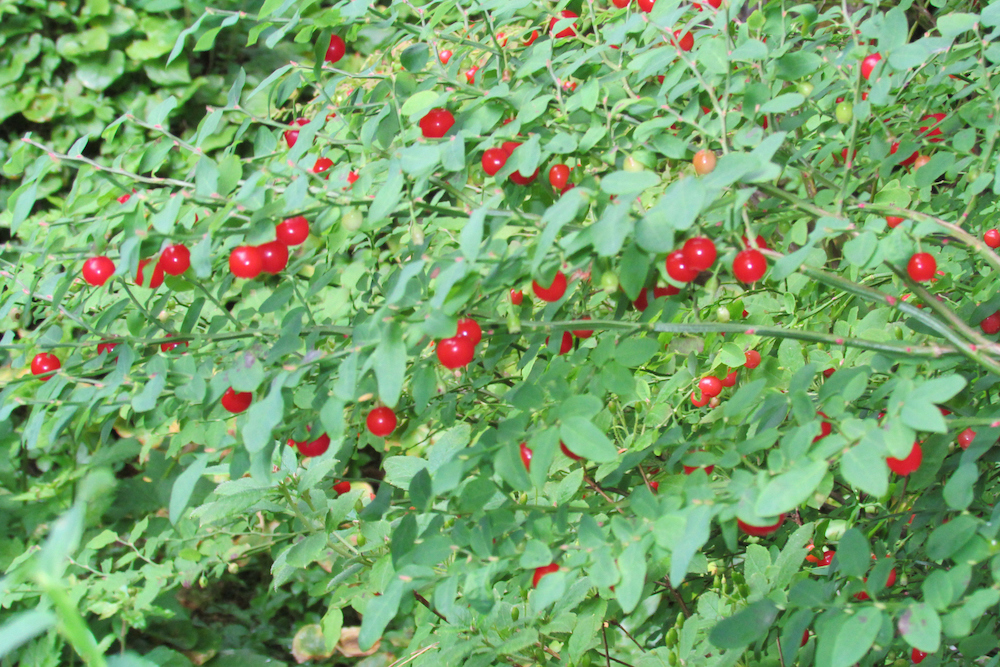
443, 332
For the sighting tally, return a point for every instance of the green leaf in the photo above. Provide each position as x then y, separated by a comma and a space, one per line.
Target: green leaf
745, 626
959, 490
921, 628
677, 209
586, 440
471, 236
853, 638
400, 470
389, 363
854, 553
146, 399
895, 30
180, 493
264, 415
632, 566
865, 469
628, 182
953, 24
949, 538
99, 72
378, 612
22, 628
783, 103
789, 490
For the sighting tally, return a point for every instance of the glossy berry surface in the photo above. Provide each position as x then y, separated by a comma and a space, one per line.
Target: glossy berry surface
154, 274
704, 162
106, 347
541, 572
730, 379
909, 464
646, 5
760, 531
710, 386
292, 231
917, 656
167, 347
583, 333
97, 270
991, 324
381, 421
565, 342
992, 238
45, 364
235, 402
752, 359
336, 50
684, 42
966, 437
312, 447
470, 329
340, 488
493, 160
699, 252
930, 130
699, 402
679, 267
554, 291
565, 32
444, 55
690, 469
246, 261
273, 256
321, 165
526, 455
455, 352
175, 259
292, 136
893, 221
558, 176
749, 266
436, 123
565, 450
921, 267
516, 297
868, 64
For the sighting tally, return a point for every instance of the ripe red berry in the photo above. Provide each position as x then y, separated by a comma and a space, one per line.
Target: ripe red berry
921, 161
699, 252
97, 270
565, 343
541, 572
679, 268
340, 488
934, 133
759, 240
710, 386
966, 437
759, 531
45, 364
167, 347
554, 291
893, 221
292, 231
322, 164
825, 428
235, 402
565, 450
583, 333
684, 42
436, 123
291, 136
444, 55
493, 160
828, 372
992, 238
155, 280
753, 359
558, 176
991, 324
381, 421
646, 5
336, 50
700, 403
908, 161
470, 76
516, 297
917, 656
273, 256
621, 4
749, 266
528, 41
312, 447
690, 469
246, 261
729, 380
921, 267
175, 259
909, 464
469, 328
455, 352
805, 638
868, 64
526, 455
106, 347
565, 32
827, 558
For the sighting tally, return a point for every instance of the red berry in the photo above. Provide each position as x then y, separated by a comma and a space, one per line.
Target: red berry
992, 238
828, 372
669, 290
340, 488
921, 267
642, 301
530, 40
699, 252
167, 347
566, 343
175, 259
825, 428
336, 50
917, 656
908, 161
554, 291
381, 421
909, 464
445, 56
583, 333
621, 4
235, 402
700, 403
106, 347
868, 64
516, 297
436, 123
646, 5
469, 328
455, 352
935, 131
45, 364
292, 231
322, 164
759, 531
541, 572
679, 268
352, 178
291, 136
685, 42
493, 160
753, 359
274, 256
759, 240
729, 380
827, 558
966, 437
893, 221
312, 447
526, 455
246, 261
805, 638
690, 469
565, 450
155, 280
710, 386
470, 76
558, 176
97, 270
991, 324
565, 32
749, 266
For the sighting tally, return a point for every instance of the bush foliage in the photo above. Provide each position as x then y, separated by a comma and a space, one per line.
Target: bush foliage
591, 487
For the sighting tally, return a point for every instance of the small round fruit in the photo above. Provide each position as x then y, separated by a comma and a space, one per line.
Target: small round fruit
469, 328
235, 402
106, 347
685, 42
45, 364
805, 88
381, 421
992, 238
844, 112
679, 268
336, 50
155, 280
541, 572
932, 131
291, 136
455, 352
700, 403
893, 221
917, 656
558, 176
436, 123
868, 64
730, 379
97, 270
566, 32
966, 437
444, 55
583, 333
753, 359
621, 4
704, 162
313, 447
565, 343
921, 161
699, 252
342, 487
710, 386
646, 5
991, 324
909, 464
825, 428
565, 450
749, 266
175, 259
516, 297
246, 261
493, 160
321, 165
274, 256
805, 638
167, 347
690, 469
760, 531
352, 220
526, 455
292, 231
827, 558
921, 267
554, 291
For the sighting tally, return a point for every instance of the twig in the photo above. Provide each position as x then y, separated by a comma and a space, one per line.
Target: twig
677, 596
422, 600
619, 626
